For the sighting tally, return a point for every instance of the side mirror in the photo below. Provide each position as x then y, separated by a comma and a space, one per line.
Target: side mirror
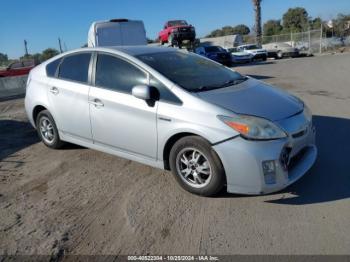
142, 92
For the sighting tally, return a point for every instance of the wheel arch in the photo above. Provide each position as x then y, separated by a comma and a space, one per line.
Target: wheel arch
36, 110
172, 140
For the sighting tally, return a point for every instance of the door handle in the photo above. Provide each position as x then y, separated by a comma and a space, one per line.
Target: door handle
54, 90
96, 102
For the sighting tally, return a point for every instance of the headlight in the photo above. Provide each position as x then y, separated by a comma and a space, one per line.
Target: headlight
192, 29
175, 29
253, 127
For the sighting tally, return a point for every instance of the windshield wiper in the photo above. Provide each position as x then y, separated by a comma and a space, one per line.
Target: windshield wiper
230, 82
234, 81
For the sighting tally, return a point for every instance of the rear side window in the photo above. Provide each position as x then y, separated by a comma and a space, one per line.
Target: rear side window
16, 65
28, 63
75, 67
52, 67
117, 74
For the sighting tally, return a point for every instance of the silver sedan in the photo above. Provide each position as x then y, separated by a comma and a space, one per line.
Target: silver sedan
211, 126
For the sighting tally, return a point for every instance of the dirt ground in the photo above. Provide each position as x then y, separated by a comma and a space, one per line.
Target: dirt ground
80, 201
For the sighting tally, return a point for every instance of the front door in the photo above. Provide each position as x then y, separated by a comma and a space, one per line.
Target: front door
118, 119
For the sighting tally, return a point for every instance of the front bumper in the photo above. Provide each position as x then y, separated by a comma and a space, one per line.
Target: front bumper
260, 56
242, 160
241, 59
181, 36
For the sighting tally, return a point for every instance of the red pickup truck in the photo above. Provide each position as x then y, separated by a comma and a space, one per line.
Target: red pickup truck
18, 68
177, 31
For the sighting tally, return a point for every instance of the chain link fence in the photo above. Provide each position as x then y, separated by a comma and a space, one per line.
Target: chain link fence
310, 42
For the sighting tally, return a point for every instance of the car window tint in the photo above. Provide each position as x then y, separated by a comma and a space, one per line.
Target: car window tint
75, 67
16, 65
164, 93
188, 70
117, 74
28, 63
52, 67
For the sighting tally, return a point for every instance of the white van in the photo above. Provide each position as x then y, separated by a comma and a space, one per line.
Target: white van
117, 32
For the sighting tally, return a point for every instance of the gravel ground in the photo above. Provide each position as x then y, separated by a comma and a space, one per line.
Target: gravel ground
80, 201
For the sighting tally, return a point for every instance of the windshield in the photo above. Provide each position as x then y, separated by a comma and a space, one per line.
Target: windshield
210, 49
251, 47
190, 71
177, 22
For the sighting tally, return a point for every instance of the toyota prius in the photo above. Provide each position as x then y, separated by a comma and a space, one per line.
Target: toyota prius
211, 126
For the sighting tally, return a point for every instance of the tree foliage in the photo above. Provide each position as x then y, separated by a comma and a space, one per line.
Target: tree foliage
315, 23
48, 53
41, 57
295, 20
3, 58
230, 30
272, 27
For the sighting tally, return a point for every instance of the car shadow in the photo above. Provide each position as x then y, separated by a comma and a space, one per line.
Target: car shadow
16, 135
254, 63
329, 178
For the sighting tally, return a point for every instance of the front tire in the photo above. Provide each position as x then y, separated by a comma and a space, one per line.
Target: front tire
47, 130
196, 166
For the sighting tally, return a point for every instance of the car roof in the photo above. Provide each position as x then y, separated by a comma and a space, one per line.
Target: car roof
140, 50
247, 45
132, 50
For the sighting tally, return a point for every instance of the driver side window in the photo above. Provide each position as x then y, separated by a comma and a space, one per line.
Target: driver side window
117, 74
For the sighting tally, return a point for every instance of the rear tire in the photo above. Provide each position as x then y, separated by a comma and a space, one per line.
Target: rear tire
196, 166
47, 130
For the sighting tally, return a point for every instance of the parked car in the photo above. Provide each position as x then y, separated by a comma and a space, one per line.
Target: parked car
240, 57
18, 68
280, 50
216, 53
167, 108
255, 50
177, 31
117, 32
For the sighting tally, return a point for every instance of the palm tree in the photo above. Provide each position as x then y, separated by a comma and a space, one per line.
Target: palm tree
257, 26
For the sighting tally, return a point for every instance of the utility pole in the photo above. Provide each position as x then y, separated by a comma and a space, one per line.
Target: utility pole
59, 43
309, 36
25, 48
321, 38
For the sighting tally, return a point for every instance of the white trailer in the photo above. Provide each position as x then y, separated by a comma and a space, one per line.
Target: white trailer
117, 32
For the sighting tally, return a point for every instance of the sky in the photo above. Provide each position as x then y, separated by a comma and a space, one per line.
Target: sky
41, 22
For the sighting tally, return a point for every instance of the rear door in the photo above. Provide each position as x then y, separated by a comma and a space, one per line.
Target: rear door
118, 119
68, 96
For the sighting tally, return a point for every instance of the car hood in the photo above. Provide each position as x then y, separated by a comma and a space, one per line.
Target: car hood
253, 97
240, 54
